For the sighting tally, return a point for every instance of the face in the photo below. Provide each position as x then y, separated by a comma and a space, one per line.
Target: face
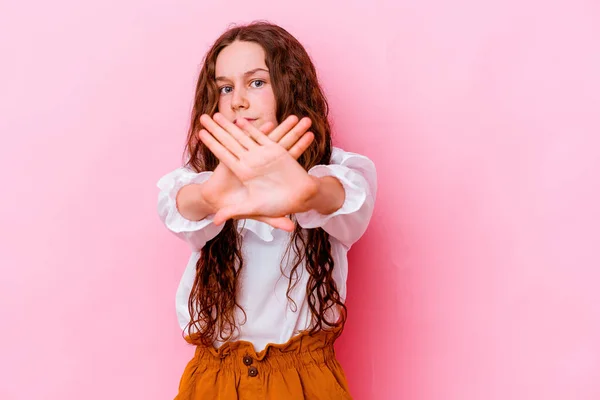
244, 83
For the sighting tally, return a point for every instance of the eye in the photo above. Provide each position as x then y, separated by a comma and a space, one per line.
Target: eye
258, 83
225, 89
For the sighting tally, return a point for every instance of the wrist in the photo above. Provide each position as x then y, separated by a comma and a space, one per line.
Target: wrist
329, 196
191, 203
206, 197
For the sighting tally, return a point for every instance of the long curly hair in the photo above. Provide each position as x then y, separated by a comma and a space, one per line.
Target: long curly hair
212, 300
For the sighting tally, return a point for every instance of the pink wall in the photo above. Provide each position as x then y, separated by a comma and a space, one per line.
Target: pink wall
478, 277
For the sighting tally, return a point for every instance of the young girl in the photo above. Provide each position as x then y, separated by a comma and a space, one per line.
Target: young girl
270, 210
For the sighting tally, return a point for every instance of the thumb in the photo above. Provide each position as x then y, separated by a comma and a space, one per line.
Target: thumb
238, 212
229, 212
282, 223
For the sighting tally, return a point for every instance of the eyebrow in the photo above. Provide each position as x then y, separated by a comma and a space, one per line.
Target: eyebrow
247, 73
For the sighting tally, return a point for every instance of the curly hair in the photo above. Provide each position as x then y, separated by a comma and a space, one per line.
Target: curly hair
212, 300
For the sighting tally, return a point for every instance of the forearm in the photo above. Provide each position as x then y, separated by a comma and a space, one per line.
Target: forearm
191, 204
329, 197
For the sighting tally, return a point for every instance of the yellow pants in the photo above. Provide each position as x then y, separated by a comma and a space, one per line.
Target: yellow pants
304, 368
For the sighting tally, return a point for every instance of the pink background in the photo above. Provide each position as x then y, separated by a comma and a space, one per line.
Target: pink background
478, 278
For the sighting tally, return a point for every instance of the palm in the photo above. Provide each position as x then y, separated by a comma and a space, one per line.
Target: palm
223, 188
273, 183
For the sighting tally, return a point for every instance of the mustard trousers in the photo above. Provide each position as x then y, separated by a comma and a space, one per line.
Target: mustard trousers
304, 368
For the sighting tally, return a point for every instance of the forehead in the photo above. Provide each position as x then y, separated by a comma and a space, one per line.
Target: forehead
239, 57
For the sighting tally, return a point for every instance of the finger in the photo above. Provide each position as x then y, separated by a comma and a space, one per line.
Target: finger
251, 130
295, 134
301, 145
226, 139
234, 131
254, 133
283, 128
243, 211
267, 127
282, 223
221, 152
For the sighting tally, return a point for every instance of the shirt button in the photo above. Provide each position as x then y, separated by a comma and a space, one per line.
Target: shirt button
252, 371
247, 360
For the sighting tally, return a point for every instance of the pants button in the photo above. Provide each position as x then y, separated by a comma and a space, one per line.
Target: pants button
247, 360
252, 371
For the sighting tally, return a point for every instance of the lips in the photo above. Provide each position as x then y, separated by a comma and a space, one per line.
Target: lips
247, 119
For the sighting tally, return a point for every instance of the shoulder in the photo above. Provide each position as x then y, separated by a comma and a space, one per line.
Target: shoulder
338, 155
352, 160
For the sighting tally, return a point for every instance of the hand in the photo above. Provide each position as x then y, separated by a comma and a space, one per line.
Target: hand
224, 189
274, 184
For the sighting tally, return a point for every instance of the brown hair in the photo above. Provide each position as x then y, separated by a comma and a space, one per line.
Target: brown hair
212, 300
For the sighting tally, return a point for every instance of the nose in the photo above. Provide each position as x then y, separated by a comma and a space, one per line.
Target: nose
239, 100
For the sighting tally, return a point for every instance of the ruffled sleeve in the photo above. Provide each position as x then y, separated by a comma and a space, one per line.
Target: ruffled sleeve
195, 233
358, 176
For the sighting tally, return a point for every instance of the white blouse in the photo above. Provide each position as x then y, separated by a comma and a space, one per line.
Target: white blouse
270, 318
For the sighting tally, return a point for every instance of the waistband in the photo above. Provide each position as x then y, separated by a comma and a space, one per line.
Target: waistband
301, 350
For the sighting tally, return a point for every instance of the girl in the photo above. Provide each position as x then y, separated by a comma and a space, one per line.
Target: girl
270, 211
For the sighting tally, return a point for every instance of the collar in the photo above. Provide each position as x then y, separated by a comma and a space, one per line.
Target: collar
262, 230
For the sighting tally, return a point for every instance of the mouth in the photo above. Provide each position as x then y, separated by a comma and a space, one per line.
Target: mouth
247, 119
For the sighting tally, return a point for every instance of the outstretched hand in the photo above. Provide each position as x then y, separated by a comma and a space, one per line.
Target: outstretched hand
273, 184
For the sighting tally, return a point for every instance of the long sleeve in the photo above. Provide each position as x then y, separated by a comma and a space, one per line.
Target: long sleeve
195, 233
358, 176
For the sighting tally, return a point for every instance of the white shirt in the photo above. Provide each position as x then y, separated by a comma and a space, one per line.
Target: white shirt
270, 318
